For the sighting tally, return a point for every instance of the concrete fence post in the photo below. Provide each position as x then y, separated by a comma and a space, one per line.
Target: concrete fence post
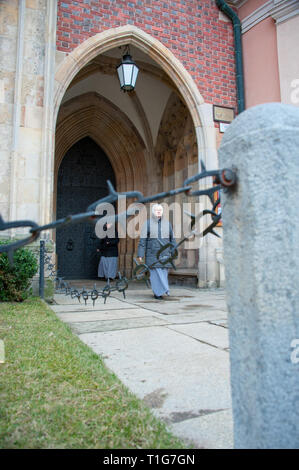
261, 256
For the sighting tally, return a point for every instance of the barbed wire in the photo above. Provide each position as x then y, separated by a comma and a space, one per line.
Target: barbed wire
141, 272
222, 178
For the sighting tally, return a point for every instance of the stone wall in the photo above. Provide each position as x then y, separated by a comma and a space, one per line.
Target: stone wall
24, 40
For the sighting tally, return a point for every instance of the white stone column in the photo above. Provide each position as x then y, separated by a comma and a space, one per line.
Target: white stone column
48, 123
16, 120
207, 152
261, 240
9, 25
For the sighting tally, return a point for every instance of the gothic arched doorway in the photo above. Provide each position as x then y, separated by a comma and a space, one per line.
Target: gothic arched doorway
82, 178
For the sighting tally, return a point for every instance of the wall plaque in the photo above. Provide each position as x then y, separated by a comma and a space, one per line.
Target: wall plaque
223, 114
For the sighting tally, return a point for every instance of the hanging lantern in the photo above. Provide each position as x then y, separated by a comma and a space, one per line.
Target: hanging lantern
127, 73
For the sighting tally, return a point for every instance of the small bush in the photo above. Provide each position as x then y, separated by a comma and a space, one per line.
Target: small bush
15, 279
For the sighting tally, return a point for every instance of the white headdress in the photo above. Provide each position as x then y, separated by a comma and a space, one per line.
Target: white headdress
155, 207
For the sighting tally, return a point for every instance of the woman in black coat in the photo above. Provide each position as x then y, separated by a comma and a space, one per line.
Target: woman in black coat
154, 231
109, 256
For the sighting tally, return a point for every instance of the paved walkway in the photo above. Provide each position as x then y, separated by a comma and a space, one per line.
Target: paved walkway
173, 354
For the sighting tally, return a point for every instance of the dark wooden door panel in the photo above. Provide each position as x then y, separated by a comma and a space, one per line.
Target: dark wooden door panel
81, 180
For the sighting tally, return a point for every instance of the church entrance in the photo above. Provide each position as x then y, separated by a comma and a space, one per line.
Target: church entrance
151, 143
81, 180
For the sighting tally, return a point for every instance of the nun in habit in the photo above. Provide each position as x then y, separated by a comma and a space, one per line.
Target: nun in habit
109, 255
156, 228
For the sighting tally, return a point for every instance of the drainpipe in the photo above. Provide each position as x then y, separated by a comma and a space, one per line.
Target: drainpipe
238, 51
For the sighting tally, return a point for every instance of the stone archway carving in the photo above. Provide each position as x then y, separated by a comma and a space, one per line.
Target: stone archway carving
176, 151
93, 115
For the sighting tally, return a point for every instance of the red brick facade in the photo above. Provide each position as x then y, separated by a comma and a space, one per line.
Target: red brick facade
191, 29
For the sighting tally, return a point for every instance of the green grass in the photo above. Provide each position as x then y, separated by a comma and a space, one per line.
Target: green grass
55, 392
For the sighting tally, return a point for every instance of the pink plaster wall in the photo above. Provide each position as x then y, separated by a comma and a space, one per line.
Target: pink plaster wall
249, 7
260, 60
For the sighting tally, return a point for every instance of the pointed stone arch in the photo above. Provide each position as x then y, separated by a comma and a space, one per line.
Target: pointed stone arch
96, 117
201, 112
129, 34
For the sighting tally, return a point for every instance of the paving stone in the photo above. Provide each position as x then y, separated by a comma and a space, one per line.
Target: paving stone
222, 323
111, 325
193, 317
201, 431
156, 360
174, 308
111, 304
211, 334
99, 315
67, 300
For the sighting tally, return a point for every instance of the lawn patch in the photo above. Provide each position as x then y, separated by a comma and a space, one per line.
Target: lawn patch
55, 392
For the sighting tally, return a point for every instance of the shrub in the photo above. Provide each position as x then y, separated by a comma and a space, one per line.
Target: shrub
15, 278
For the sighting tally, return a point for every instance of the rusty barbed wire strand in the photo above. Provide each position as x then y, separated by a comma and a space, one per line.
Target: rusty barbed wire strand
225, 178
222, 178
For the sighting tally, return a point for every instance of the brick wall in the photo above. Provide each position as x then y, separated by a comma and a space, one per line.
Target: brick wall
191, 29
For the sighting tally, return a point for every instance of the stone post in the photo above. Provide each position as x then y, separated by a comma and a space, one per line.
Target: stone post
261, 256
